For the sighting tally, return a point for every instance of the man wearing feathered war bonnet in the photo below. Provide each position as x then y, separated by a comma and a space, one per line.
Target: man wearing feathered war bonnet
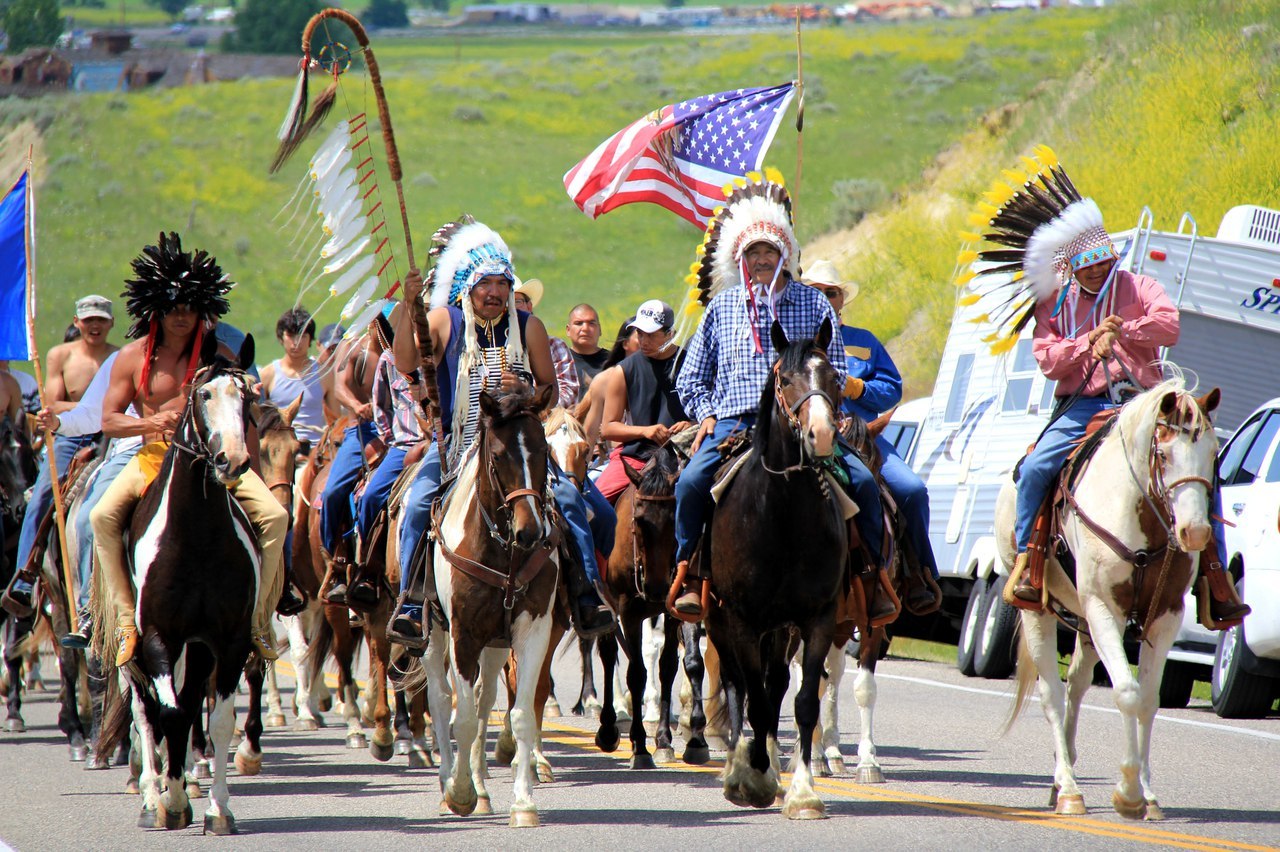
174, 294
482, 342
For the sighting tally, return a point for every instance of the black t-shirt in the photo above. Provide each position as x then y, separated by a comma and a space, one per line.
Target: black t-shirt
651, 396
589, 365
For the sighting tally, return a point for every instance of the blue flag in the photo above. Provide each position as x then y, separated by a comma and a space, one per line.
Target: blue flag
14, 345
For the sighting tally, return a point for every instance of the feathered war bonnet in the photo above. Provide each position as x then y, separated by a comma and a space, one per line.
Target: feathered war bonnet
757, 208
1047, 232
165, 277
462, 253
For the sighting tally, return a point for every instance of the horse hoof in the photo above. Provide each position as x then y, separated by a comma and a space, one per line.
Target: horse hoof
326, 704
484, 806
201, 770
1070, 804
356, 740
381, 753
812, 809
132, 788
247, 764
193, 790
664, 755
94, 762
304, 724
641, 760
696, 755
543, 770
17, 726
444, 808
607, 740
219, 826
1127, 808
504, 751
835, 765
402, 747
79, 753
420, 758
1154, 812
552, 709
173, 822
275, 720
148, 818
463, 808
524, 819
870, 775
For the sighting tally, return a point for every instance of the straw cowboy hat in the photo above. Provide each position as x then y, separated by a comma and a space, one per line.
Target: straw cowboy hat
823, 273
531, 288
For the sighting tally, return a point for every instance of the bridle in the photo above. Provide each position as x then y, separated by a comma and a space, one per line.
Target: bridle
637, 545
505, 510
792, 415
198, 448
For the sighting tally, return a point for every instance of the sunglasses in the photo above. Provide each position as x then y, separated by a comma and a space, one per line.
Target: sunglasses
832, 292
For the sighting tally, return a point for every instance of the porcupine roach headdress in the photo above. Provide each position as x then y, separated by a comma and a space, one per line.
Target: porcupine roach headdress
757, 208
1046, 232
165, 277
462, 253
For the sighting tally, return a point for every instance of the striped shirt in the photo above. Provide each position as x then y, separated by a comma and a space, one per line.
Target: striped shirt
395, 410
723, 374
566, 373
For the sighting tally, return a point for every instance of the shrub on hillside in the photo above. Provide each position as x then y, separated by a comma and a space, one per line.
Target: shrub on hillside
855, 198
468, 114
31, 23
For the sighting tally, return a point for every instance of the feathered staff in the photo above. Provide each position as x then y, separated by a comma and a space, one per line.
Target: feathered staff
342, 190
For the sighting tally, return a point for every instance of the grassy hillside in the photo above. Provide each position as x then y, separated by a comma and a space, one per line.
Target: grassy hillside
1174, 107
490, 125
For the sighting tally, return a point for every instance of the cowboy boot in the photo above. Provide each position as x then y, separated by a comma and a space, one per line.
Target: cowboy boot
78, 639
362, 594
1020, 589
291, 601
690, 600
879, 605
405, 626
262, 643
1218, 603
127, 634
339, 570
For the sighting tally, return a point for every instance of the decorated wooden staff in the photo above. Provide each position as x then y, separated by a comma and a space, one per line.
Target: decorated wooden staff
342, 190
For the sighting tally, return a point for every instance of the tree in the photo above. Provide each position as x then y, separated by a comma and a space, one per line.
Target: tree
31, 23
386, 13
172, 8
270, 26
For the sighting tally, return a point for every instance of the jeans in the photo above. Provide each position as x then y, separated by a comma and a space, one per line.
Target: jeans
98, 485
344, 473
64, 448
693, 491
1042, 464
589, 530
909, 492
378, 489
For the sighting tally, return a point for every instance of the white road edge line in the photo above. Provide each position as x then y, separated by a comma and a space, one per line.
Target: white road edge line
1214, 726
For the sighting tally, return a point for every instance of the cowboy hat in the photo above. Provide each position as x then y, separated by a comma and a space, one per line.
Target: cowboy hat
823, 273
531, 288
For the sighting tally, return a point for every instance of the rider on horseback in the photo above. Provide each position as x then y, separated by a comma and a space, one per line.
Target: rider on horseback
754, 259
481, 342
1088, 313
173, 296
642, 410
874, 386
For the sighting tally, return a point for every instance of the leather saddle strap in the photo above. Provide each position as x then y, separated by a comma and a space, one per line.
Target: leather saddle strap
1139, 559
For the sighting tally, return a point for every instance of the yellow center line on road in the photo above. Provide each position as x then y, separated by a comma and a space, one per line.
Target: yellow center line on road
583, 739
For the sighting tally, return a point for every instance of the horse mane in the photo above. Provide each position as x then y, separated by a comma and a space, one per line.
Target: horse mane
559, 417
657, 477
269, 416
857, 433
512, 403
1137, 418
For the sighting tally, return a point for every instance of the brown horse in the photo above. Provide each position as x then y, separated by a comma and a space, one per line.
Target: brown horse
637, 577
495, 579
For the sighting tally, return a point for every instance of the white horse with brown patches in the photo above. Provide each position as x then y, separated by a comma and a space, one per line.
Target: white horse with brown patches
1136, 521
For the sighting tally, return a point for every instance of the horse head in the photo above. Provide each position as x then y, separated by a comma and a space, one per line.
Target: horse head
804, 389
513, 451
567, 440
1183, 449
279, 448
862, 436
653, 510
215, 425
17, 469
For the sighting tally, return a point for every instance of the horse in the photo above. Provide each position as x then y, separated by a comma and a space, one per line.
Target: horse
1140, 502
777, 550
197, 571
638, 576
17, 473
496, 573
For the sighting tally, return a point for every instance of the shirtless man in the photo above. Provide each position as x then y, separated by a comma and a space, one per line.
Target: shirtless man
153, 375
72, 367
11, 400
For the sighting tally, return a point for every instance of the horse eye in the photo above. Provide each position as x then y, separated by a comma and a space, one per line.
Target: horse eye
206, 395
784, 381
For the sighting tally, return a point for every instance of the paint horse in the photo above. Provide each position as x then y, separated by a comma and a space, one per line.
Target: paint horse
495, 577
777, 550
17, 473
1135, 518
197, 567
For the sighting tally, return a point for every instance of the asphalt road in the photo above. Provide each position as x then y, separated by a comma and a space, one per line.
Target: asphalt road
952, 783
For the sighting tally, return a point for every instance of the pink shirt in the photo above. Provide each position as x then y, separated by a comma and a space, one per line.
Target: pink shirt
1150, 322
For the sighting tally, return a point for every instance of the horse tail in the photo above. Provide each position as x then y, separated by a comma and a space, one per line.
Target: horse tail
1027, 675
319, 644
117, 713
414, 680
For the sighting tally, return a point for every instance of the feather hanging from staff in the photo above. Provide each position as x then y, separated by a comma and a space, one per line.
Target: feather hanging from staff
1041, 231
297, 125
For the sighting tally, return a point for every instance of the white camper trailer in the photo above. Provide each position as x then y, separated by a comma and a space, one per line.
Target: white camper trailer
986, 410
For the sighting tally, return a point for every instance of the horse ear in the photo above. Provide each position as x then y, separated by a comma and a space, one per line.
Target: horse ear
488, 404
875, 427
823, 340
582, 409
247, 352
290, 411
631, 472
1210, 401
208, 348
1169, 403
543, 398
779, 337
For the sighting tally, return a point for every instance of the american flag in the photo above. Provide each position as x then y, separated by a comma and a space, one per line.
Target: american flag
682, 155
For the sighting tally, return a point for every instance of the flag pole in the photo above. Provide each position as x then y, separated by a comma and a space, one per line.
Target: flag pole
59, 510
795, 192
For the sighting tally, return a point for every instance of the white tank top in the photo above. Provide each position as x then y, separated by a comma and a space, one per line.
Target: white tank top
309, 423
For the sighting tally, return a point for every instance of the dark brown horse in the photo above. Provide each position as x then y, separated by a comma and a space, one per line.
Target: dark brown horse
777, 551
17, 473
638, 577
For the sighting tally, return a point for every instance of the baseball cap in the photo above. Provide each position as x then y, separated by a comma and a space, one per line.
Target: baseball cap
93, 306
654, 315
331, 334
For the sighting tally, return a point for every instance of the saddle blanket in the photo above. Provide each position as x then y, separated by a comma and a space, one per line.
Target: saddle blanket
725, 477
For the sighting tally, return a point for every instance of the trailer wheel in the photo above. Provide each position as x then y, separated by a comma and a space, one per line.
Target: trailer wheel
970, 626
994, 653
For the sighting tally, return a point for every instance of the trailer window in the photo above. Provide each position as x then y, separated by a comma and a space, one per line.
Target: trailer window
1046, 396
1017, 394
1021, 377
959, 389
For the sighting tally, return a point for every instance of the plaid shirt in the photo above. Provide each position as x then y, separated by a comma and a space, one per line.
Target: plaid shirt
723, 375
566, 373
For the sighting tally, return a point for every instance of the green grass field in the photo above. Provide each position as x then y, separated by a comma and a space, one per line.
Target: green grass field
489, 126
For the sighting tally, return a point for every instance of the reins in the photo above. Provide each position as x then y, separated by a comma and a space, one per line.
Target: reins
792, 415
